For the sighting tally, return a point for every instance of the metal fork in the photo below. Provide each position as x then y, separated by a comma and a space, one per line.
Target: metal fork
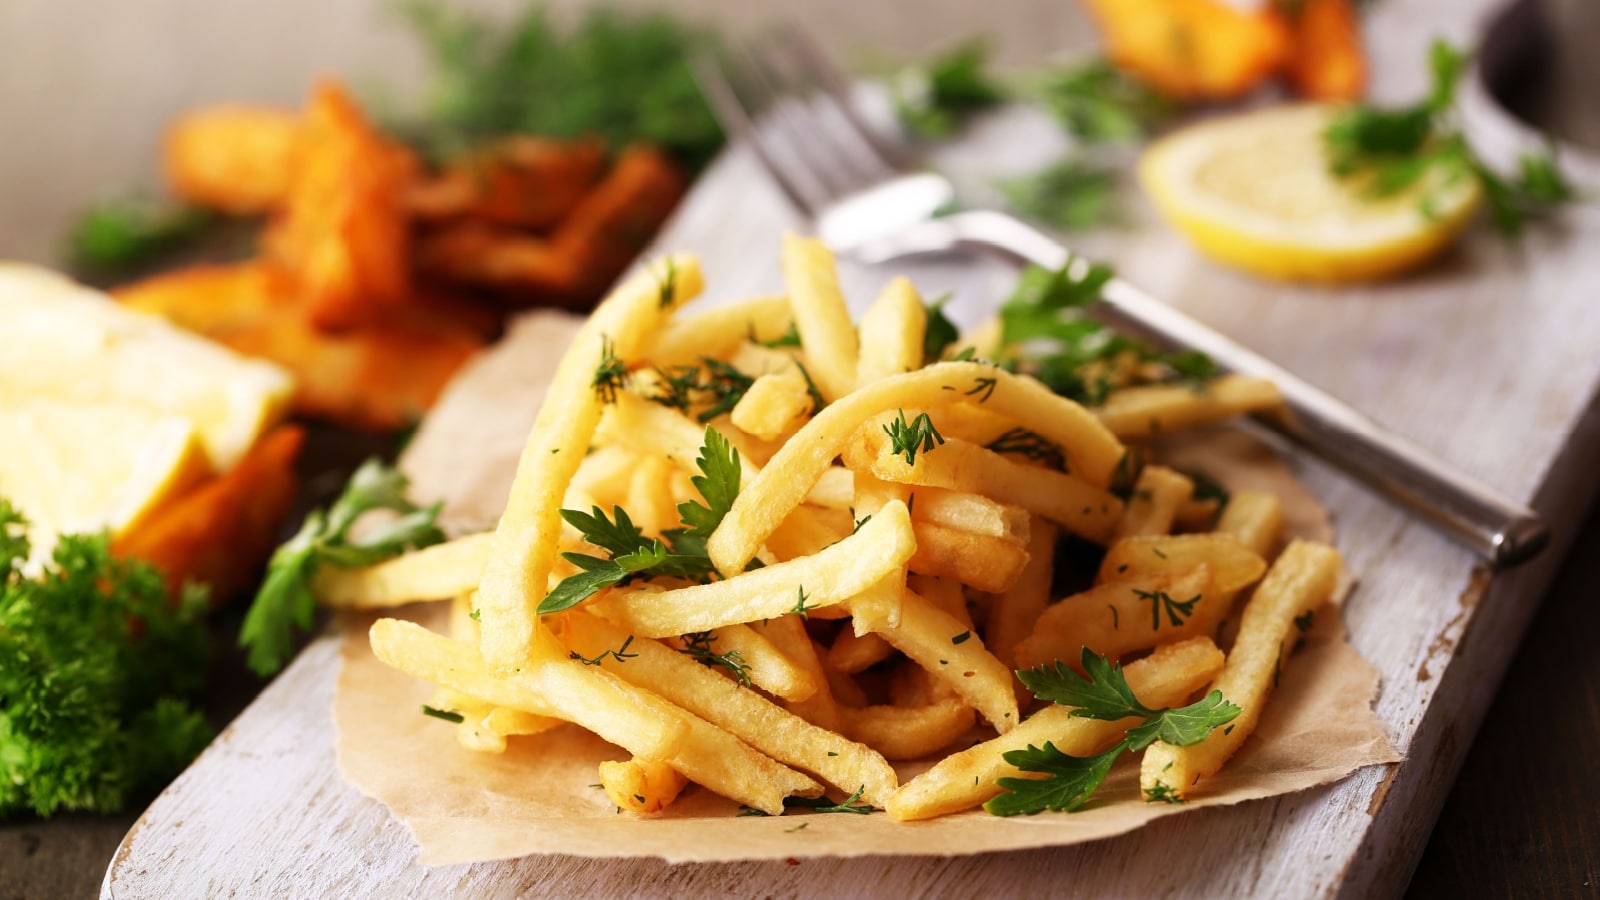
794, 109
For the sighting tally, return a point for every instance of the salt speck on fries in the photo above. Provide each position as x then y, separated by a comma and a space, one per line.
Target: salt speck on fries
774, 568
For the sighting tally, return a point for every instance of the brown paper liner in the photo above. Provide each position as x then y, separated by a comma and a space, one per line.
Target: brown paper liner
537, 797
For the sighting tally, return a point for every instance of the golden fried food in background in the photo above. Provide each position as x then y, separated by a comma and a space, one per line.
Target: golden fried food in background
219, 533
519, 181
378, 377
232, 158
344, 231
596, 242
1195, 50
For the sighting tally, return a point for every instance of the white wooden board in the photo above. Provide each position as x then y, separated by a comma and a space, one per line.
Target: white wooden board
1490, 359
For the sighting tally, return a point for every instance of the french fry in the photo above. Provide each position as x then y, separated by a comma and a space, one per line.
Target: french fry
833, 575
965, 779
1303, 578
973, 513
775, 405
821, 315
1013, 611
1233, 565
954, 654
788, 634
650, 496
1122, 617
892, 332
517, 575
846, 692
1196, 514
851, 653
637, 720
719, 331
1153, 506
791, 472
1255, 518
1136, 412
233, 158
1074, 504
641, 426
987, 563
835, 489
1326, 61
767, 666
910, 732
642, 786
511, 722
432, 573
784, 736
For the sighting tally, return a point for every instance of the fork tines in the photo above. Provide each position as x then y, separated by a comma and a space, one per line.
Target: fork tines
782, 95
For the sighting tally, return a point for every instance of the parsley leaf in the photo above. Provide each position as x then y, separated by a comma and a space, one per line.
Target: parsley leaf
97, 663
632, 554
115, 236
940, 333
1098, 103
932, 100
1385, 151
1101, 693
1068, 195
284, 604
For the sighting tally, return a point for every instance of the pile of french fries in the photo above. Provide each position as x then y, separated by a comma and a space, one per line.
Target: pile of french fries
877, 601
377, 277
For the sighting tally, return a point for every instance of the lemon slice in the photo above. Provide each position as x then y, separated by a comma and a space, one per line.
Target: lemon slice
74, 468
62, 341
1254, 191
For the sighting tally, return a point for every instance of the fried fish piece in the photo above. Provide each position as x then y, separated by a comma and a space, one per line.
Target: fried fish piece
232, 158
519, 182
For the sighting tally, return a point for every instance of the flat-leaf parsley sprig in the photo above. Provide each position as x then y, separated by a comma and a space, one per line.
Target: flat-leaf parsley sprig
634, 555
1103, 693
1384, 151
285, 604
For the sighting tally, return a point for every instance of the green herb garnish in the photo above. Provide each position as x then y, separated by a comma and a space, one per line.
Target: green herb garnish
1068, 195
699, 644
932, 100
284, 604
1385, 151
115, 236
446, 714
908, 438
96, 667
1098, 103
1104, 694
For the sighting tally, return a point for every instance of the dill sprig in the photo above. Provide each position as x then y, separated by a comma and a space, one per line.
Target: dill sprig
700, 646
910, 438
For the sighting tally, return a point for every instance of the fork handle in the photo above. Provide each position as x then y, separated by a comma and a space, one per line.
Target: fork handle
1502, 531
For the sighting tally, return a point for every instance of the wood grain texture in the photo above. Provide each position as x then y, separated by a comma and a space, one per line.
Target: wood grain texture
1487, 359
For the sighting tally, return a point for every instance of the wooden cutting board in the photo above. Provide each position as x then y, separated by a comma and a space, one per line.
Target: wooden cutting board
1490, 359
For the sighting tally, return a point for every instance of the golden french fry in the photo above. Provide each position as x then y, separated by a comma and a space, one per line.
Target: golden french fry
914, 732
510, 722
1153, 506
833, 575
1197, 515
946, 594
776, 404
892, 332
820, 315
973, 513
987, 563
851, 653
1013, 611
788, 634
1303, 578
767, 667
1136, 412
641, 786
718, 332
650, 499
517, 576
1121, 617
1076, 505
765, 501
1233, 565
965, 779
432, 573
642, 427
635, 719
952, 652
1255, 518
835, 489
986, 340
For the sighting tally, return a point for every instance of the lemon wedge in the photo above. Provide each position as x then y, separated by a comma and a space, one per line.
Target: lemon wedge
62, 341
1253, 191
74, 468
